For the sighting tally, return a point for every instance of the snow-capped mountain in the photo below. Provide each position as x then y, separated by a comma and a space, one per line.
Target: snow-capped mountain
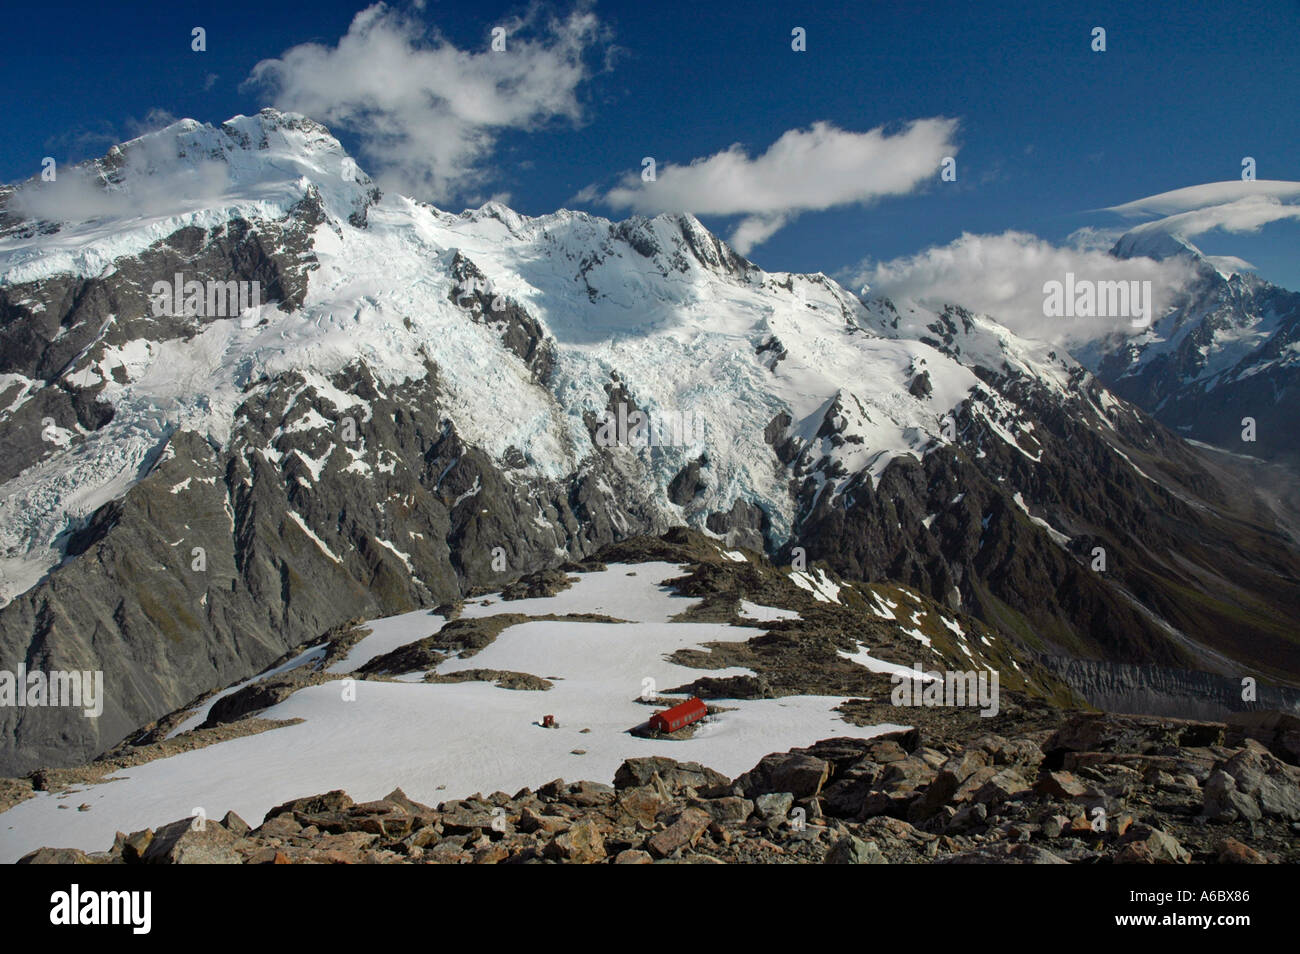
419, 403
1228, 349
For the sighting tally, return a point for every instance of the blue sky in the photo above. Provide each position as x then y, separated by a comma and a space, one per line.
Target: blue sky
1048, 132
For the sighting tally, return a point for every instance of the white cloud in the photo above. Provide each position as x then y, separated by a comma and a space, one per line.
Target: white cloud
805, 170
1207, 194
1243, 215
1233, 206
428, 114
1003, 276
1229, 263
150, 182
154, 120
757, 229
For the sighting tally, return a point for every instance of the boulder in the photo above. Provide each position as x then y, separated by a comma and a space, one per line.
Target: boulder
682, 833
893, 804
851, 850
1003, 786
634, 773
1233, 852
135, 845
633, 856
281, 826
1151, 846
581, 843
1223, 801
966, 763
907, 775
1060, 785
970, 815
492, 854
641, 805
555, 788
1273, 784
335, 801
973, 783
411, 807
728, 810
936, 795
184, 842
1279, 731
844, 796
588, 794
773, 807
56, 856
801, 775
235, 825
459, 822
1054, 826
534, 821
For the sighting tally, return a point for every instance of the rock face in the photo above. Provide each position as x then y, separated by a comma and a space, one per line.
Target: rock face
986, 553
1059, 788
188, 496
1156, 690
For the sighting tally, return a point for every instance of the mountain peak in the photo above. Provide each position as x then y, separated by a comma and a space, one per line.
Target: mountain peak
1151, 241
185, 173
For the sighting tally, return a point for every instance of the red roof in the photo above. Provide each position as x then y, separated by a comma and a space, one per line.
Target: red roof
682, 714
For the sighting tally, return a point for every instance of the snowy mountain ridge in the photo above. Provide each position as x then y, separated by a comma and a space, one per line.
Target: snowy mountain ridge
187, 174
1227, 349
660, 302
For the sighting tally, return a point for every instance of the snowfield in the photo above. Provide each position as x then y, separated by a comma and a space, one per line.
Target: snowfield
444, 741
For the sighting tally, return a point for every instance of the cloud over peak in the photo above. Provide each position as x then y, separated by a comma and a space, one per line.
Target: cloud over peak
1233, 206
1004, 275
804, 170
428, 114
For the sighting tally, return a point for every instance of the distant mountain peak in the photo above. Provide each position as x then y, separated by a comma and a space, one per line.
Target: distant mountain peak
1151, 241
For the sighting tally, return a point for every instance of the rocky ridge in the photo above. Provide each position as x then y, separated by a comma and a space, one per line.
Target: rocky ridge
1042, 787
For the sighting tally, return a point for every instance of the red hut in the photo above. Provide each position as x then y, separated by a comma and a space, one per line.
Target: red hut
682, 714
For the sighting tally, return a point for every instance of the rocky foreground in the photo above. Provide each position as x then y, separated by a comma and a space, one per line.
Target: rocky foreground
1070, 788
